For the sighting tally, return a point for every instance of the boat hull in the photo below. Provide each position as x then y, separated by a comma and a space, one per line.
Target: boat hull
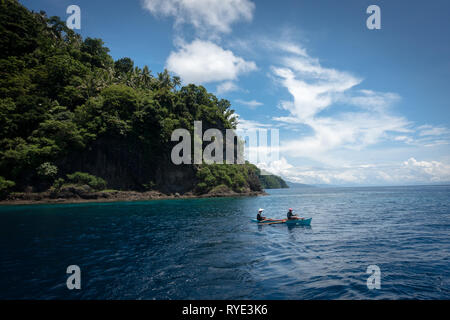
291, 222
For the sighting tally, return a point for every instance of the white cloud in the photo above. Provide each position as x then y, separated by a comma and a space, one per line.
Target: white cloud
428, 171
284, 45
206, 16
250, 125
227, 86
370, 100
277, 167
293, 48
407, 172
252, 104
405, 139
429, 130
204, 62
342, 127
352, 131
315, 88
426, 136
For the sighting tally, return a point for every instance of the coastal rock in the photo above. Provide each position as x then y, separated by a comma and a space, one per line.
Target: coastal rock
73, 195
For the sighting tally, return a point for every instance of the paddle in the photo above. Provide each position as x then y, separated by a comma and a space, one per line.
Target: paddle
274, 222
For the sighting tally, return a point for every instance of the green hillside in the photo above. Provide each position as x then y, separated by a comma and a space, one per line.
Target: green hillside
69, 114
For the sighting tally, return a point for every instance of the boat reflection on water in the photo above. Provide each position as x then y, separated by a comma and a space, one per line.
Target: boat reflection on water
290, 227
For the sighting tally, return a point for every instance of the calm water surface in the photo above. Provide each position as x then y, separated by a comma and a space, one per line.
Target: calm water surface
209, 249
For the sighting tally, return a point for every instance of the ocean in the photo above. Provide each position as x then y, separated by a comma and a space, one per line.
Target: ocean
210, 249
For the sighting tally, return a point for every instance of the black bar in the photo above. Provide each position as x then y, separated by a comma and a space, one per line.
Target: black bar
223, 309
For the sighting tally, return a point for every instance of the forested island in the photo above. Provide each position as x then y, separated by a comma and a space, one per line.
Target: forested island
75, 124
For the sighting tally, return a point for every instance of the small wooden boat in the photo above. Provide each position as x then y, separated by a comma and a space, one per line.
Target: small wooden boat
294, 222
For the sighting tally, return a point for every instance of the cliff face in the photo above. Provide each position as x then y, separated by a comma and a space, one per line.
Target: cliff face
176, 179
131, 167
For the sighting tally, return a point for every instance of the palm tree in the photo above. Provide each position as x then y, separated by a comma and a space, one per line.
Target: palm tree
165, 80
133, 78
95, 82
176, 81
146, 77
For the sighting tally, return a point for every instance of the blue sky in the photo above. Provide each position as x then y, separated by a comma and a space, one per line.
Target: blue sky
354, 106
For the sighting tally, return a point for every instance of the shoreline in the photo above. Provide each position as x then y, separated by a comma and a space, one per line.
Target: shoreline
115, 196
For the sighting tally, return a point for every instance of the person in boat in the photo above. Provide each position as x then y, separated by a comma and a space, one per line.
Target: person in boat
291, 215
259, 216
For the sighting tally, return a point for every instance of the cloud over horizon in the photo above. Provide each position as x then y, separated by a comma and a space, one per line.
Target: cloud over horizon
410, 171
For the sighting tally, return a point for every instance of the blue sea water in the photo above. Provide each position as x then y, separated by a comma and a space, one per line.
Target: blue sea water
209, 249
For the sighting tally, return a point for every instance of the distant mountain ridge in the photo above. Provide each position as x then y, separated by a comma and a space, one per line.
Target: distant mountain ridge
298, 185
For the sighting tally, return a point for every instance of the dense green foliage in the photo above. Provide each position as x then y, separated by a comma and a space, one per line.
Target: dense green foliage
87, 179
236, 177
272, 182
66, 106
79, 179
5, 186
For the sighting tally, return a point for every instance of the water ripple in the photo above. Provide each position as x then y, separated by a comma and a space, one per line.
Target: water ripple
208, 249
